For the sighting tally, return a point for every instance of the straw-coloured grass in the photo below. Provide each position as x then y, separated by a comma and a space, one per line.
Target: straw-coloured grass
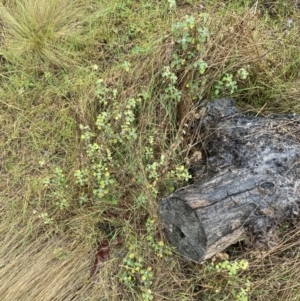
53, 56
40, 32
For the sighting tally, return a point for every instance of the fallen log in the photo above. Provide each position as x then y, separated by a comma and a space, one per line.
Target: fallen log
251, 182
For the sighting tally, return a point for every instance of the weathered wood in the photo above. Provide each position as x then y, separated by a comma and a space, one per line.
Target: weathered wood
251, 183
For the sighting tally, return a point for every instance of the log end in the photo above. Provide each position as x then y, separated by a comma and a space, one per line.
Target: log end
183, 228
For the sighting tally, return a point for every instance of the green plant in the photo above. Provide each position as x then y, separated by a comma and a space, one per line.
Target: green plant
201, 66
170, 79
126, 66
172, 4
45, 218
225, 84
58, 188
225, 279
155, 170
242, 73
190, 37
228, 85
159, 247
195, 39
106, 149
178, 175
135, 275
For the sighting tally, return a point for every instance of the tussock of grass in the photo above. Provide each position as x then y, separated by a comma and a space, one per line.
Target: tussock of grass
53, 55
38, 32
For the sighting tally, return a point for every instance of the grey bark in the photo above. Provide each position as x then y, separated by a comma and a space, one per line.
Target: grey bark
251, 182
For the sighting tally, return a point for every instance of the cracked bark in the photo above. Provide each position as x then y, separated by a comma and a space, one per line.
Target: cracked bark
251, 182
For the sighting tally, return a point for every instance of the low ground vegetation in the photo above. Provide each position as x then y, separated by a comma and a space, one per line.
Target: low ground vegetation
97, 104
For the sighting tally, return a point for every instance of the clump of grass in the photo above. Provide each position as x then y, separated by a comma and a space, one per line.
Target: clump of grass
40, 31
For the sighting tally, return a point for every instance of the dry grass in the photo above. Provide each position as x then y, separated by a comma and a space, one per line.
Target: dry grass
272, 271
39, 32
40, 265
275, 271
44, 267
51, 61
